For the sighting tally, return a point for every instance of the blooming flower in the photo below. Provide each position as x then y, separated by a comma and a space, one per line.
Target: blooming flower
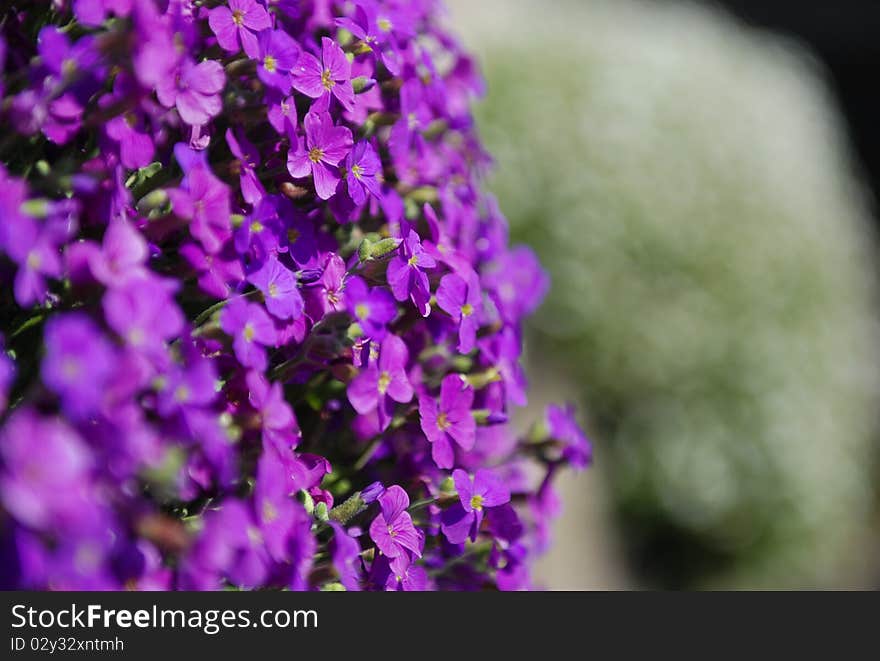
485, 490
252, 330
158, 251
279, 287
324, 148
204, 201
248, 159
406, 273
382, 382
373, 308
448, 420
392, 530
331, 75
278, 54
463, 302
564, 428
78, 363
238, 25
362, 165
194, 91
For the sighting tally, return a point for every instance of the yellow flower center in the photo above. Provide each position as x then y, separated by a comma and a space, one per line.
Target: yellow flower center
327, 80
443, 422
269, 512
467, 310
33, 260
135, 336
273, 290
384, 24
412, 261
477, 502
384, 382
392, 531
412, 121
181, 394
248, 332
256, 227
357, 171
316, 154
70, 368
361, 311
238, 17
254, 535
270, 64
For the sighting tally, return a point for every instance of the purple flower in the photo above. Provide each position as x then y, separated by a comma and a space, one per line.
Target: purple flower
45, 484
279, 287
563, 427
34, 248
204, 201
238, 25
78, 363
278, 54
143, 313
374, 30
327, 294
382, 382
276, 416
251, 329
346, 557
406, 273
216, 273
448, 420
248, 159
463, 519
462, 300
331, 75
194, 90
361, 167
192, 385
121, 256
373, 308
518, 283
324, 147
392, 530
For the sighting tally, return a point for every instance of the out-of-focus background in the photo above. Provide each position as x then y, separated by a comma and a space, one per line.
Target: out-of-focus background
698, 184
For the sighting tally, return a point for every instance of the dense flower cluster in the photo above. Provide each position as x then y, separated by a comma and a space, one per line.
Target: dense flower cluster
261, 324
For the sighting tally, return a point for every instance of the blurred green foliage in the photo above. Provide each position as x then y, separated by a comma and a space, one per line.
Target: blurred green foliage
686, 183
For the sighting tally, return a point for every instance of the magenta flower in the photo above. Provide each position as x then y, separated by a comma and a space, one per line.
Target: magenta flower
34, 248
248, 159
361, 167
406, 274
392, 530
78, 362
216, 273
251, 329
238, 25
276, 416
329, 76
194, 90
449, 420
563, 427
143, 313
46, 477
279, 287
327, 294
463, 519
346, 557
463, 302
121, 256
324, 148
373, 308
204, 201
383, 382
278, 54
